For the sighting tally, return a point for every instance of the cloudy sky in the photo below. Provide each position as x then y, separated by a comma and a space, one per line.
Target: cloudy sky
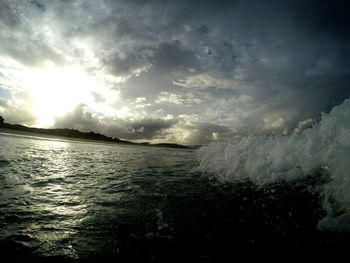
176, 71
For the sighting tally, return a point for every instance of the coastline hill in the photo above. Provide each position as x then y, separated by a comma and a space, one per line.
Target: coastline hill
76, 134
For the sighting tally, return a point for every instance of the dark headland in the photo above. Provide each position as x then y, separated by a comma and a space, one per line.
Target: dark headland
76, 134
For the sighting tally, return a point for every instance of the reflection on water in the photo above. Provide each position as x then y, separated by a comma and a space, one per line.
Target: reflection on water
49, 207
62, 197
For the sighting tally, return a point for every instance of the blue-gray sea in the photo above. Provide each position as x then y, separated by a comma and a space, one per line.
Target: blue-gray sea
74, 201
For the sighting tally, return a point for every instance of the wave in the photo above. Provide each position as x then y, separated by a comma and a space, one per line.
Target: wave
264, 160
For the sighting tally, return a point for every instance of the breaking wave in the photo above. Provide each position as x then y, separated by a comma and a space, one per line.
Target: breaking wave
323, 150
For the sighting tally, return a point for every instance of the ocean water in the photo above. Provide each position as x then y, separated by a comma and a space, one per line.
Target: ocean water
70, 201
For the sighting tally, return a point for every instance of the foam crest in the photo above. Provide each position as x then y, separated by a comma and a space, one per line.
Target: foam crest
266, 159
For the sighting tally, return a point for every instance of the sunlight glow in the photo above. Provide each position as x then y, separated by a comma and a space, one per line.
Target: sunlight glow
56, 91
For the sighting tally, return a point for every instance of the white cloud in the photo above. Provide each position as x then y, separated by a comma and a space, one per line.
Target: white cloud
169, 97
204, 81
274, 123
140, 99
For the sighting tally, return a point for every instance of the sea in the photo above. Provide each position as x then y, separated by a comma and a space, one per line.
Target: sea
259, 196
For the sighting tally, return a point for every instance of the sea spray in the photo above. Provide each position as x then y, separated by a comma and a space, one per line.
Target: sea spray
264, 160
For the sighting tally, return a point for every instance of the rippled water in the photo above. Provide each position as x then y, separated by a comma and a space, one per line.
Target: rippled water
63, 197
78, 201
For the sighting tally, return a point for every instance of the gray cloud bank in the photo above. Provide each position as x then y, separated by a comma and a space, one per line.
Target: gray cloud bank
193, 71
143, 129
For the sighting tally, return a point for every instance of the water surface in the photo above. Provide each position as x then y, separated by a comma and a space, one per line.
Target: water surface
80, 201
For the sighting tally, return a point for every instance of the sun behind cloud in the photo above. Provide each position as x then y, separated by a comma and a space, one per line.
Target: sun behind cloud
58, 90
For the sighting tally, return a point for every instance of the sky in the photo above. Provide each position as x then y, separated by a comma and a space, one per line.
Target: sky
180, 71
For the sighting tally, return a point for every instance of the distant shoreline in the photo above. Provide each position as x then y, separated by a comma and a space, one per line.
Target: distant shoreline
77, 135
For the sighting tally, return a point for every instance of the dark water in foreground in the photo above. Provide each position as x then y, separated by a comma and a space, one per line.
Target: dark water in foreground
64, 201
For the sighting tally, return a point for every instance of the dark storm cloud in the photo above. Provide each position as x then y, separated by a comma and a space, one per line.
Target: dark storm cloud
120, 66
324, 17
37, 4
247, 65
249, 32
278, 53
172, 56
7, 16
79, 119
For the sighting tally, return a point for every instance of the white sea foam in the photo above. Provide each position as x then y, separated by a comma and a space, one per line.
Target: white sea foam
266, 159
